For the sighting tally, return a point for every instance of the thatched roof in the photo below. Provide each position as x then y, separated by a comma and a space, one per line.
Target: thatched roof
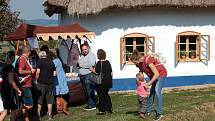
86, 7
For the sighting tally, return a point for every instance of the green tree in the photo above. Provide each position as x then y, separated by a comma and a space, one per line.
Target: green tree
9, 20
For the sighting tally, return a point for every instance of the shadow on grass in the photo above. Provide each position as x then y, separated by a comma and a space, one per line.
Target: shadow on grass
135, 113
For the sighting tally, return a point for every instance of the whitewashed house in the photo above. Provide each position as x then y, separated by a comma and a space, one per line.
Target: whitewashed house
182, 30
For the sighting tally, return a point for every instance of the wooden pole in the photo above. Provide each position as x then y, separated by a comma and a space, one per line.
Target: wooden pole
25, 44
17, 46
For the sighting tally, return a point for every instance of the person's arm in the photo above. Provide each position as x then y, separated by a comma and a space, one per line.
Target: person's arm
12, 83
54, 69
21, 71
79, 63
37, 74
147, 88
38, 70
155, 73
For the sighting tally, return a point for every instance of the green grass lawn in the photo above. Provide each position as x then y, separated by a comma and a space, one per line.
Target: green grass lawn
190, 105
198, 105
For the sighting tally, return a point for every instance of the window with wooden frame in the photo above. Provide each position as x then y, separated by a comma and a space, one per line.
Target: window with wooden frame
143, 43
192, 46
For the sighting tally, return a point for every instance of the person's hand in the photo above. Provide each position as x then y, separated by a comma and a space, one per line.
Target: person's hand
78, 65
35, 82
19, 92
148, 93
33, 70
54, 73
147, 85
92, 69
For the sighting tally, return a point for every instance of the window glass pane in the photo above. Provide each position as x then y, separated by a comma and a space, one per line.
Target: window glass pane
129, 41
182, 47
182, 39
192, 39
140, 40
129, 49
140, 48
192, 51
192, 47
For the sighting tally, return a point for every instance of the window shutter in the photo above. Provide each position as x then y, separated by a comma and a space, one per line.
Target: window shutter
177, 55
122, 51
204, 47
150, 45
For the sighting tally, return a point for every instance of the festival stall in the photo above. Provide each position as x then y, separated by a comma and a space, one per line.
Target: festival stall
33, 33
70, 38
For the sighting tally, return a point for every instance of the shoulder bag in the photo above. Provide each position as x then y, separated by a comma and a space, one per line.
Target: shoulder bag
96, 77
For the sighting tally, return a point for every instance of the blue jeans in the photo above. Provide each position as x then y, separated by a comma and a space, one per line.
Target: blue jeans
156, 88
89, 88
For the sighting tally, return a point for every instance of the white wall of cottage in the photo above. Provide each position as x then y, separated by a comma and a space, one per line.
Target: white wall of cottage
162, 23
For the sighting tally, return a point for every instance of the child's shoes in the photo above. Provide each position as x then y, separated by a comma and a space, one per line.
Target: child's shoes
141, 115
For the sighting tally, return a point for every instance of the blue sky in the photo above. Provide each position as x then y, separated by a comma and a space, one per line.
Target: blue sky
30, 9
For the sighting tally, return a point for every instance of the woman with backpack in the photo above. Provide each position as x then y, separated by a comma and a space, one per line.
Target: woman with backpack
9, 89
156, 71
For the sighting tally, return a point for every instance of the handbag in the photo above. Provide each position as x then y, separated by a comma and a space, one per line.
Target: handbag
96, 77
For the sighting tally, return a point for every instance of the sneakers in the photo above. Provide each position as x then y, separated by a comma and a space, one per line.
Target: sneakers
141, 115
110, 111
49, 116
158, 117
39, 117
89, 108
148, 113
101, 113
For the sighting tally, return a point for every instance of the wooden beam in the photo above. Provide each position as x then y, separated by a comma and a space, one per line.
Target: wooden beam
17, 46
25, 43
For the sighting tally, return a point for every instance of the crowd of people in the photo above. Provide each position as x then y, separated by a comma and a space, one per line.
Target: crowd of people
36, 77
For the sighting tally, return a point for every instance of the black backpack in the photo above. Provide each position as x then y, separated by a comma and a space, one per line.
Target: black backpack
17, 75
2, 65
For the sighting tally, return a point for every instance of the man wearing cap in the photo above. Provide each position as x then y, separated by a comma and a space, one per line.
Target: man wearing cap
45, 84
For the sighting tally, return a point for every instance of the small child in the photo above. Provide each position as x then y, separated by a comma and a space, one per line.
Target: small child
142, 92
